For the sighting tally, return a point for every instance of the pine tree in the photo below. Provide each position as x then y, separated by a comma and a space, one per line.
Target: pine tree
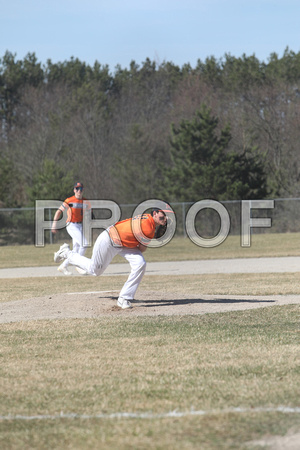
204, 167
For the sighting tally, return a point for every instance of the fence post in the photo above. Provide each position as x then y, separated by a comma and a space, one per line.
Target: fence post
183, 219
51, 234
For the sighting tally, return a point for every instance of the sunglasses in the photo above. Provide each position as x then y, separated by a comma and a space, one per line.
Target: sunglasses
79, 189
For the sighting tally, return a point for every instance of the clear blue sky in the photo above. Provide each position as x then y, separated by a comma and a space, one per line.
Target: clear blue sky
119, 31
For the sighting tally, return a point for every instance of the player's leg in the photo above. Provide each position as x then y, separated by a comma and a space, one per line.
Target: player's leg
63, 268
138, 266
71, 229
79, 242
103, 253
75, 230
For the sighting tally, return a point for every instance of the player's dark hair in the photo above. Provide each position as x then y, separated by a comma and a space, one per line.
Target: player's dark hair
157, 210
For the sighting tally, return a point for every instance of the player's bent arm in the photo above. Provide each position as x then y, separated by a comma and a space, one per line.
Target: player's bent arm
142, 247
57, 216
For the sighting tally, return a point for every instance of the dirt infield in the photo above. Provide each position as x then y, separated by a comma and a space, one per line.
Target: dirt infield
97, 304
103, 303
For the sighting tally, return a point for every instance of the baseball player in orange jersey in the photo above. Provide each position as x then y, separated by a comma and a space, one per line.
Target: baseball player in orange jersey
119, 239
74, 206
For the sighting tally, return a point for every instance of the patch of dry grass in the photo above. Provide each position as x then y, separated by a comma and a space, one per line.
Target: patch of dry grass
156, 364
227, 284
20, 288
209, 284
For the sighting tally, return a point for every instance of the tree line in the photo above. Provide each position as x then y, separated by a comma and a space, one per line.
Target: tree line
225, 129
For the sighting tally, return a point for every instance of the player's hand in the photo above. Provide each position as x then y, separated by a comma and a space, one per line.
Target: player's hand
54, 230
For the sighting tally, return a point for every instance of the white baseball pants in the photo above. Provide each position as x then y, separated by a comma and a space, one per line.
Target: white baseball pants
103, 253
78, 240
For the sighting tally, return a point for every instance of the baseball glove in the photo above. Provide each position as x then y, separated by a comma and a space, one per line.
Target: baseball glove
160, 231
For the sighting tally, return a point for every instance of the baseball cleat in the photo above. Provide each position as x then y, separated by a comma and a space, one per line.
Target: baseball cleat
62, 253
81, 271
64, 270
123, 303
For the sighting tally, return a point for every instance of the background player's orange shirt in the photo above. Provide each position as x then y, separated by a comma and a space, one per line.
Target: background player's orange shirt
75, 209
122, 234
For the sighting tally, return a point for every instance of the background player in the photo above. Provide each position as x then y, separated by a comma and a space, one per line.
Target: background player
119, 239
75, 208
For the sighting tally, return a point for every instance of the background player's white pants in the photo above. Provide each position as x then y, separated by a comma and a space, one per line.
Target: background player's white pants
78, 240
103, 253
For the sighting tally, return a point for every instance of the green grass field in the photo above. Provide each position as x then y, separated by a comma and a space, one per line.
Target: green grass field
178, 249
111, 383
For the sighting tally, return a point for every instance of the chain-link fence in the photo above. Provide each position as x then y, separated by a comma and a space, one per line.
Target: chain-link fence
18, 225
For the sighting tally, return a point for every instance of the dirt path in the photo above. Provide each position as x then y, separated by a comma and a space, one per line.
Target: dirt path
238, 265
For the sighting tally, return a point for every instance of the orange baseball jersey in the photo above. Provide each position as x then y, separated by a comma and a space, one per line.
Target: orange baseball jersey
122, 232
74, 208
